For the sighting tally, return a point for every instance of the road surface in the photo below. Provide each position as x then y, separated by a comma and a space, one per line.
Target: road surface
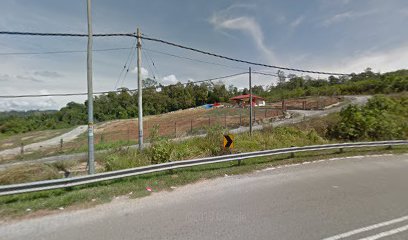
348, 198
53, 142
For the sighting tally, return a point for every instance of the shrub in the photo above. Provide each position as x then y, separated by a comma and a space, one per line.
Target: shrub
160, 151
382, 118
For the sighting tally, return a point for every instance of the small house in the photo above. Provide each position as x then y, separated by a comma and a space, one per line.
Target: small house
243, 100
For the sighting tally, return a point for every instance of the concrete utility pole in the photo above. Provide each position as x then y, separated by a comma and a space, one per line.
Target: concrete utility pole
91, 157
139, 88
250, 102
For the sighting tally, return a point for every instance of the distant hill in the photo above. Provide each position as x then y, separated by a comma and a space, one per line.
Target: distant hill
25, 113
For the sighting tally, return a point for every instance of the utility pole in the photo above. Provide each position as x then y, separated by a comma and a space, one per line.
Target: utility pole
91, 157
139, 88
250, 102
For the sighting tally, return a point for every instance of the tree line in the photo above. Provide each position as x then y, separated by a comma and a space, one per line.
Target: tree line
159, 99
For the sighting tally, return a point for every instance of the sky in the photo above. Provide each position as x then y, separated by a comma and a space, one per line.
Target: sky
324, 35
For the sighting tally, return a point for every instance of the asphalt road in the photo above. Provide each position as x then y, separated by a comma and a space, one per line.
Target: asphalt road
349, 198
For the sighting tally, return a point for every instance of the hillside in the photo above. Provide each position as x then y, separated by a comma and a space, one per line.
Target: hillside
123, 104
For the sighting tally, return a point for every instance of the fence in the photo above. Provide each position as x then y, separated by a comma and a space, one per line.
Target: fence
174, 127
306, 103
171, 125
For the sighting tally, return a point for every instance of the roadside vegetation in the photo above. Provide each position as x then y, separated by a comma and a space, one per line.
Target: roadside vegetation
123, 104
383, 117
54, 201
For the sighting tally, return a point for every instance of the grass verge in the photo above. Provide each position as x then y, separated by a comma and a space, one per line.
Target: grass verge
46, 202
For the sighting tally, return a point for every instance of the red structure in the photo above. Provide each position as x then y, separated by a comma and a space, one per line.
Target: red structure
243, 100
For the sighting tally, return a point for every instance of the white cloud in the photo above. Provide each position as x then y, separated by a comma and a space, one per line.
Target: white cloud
379, 61
246, 25
143, 71
170, 79
48, 74
28, 104
297, 21
349, 15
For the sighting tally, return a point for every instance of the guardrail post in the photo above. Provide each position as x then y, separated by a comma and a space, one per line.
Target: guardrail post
341, 150
240, 119
22, 148
389, 147
292, 154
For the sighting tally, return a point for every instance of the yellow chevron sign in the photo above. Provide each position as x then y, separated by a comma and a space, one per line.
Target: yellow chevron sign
228, 141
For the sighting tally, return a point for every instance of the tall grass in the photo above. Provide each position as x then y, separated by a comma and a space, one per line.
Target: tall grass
164, 150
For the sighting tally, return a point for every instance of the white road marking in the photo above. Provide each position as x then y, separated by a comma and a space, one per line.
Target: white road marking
387, 233
322, 160
368, 228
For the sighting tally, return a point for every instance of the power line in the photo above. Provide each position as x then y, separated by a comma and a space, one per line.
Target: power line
68, 34
56, 94
128, 66
148, 64
213, 79
267, 74
174, 45
239, 60
150, 58
62, 51
191, 59
120, 90
124, 66
207, 62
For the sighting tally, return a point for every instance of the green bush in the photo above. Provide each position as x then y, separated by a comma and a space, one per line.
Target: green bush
382, 118
161, 151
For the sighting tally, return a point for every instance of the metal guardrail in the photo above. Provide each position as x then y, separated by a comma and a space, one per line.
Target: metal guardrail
70, 182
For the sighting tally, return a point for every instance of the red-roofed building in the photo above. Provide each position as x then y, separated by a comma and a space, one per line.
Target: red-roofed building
243, 100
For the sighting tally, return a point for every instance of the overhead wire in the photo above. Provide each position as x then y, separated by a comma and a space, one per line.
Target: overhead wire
149, 58
240, 60
62, 51
128, 67
148, 65
120, 90
174, 45
191, 59
124, 66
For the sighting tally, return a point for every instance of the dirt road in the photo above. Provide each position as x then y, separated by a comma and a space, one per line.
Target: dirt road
53, 142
